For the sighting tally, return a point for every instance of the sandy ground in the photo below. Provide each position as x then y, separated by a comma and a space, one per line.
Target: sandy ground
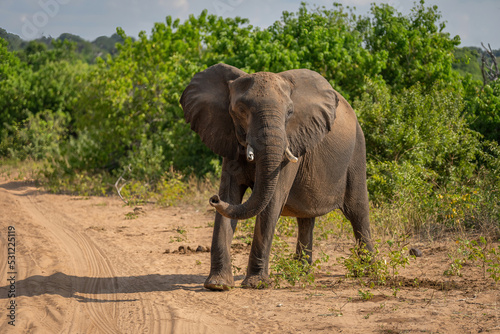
83, 266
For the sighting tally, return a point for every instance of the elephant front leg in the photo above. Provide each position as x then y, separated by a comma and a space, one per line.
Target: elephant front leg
221, 275
258, 263
305, 239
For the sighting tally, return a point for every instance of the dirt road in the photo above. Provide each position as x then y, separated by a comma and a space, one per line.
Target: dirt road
93, 265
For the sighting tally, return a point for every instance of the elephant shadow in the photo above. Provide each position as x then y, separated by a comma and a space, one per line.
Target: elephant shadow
70, 286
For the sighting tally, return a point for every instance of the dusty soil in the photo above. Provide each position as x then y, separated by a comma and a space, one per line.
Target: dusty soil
93, 265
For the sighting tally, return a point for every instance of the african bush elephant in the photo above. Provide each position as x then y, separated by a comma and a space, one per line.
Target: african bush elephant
294, 141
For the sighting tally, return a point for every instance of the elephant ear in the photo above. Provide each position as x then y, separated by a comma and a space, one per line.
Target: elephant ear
205, 102
314, 107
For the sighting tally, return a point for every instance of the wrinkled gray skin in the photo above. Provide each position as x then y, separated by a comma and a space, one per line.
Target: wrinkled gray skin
251, 121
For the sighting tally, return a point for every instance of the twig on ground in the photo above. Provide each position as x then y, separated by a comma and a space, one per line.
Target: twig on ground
430, 300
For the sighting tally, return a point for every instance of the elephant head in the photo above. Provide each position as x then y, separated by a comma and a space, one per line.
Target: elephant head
271, 118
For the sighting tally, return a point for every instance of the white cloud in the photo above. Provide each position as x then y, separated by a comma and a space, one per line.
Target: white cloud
178, 4
474, 21
357, 2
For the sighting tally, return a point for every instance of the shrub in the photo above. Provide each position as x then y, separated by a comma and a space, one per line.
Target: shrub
483, 108
47, 81
287, 267
424, 129
423, 160
38, 137
376, 267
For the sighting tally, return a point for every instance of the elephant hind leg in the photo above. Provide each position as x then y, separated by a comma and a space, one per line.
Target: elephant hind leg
356, 204
358, 216
305, 238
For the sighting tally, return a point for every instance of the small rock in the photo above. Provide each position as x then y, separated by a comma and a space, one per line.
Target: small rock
182, 250
279, 305
189, 249
167, 251
415, 252
200, 249
207, 249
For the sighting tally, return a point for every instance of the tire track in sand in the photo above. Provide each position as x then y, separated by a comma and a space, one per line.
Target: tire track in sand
94, 287
87, 261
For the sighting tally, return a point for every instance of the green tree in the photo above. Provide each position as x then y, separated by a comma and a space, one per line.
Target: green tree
326, 41
14, 87
45, 82
468, 61
483, 108
108, 44
14, 42
128, 110
424, 131
419, 51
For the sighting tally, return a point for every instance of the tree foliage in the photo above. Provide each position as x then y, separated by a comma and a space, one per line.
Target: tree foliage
416, 128
483, 109
426, 125
468, 62
419, 51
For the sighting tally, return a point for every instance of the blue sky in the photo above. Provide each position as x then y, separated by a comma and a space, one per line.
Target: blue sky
473, 20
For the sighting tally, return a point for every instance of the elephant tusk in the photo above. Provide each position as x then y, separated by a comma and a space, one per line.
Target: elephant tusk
250, 154
290, 155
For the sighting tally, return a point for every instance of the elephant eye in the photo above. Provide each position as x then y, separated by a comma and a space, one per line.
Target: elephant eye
237, 110
240, 108
289, 113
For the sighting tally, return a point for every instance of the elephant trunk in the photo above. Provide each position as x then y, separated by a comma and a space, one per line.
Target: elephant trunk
268, 166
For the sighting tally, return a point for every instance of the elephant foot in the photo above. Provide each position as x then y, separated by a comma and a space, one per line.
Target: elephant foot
218, 283
256, 282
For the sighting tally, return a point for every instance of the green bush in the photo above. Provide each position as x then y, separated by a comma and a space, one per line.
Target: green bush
428, 168
483, 108
378, 266
129, 106
48, 84
167, 191
14, 87
424, 129
38, 137
287, 267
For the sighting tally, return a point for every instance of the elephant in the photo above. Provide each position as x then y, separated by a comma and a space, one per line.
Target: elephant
292, 139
